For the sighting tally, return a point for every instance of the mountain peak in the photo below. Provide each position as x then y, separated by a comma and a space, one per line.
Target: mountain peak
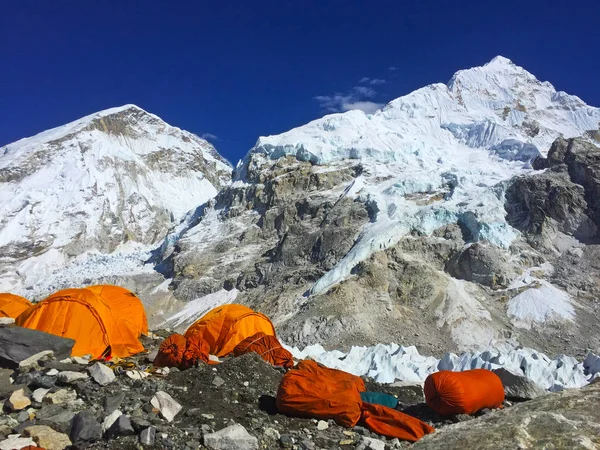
500, 60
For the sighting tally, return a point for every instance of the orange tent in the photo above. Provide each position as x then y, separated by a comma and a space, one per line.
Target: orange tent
81, 315
223, 328
467, 392
12, 305
315, 391
124, 304
268, 348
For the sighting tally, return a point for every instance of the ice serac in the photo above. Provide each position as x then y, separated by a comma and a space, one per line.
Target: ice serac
112, 182
439, 155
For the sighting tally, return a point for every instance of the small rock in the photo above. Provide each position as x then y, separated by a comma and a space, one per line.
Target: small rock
14, 441
18, 401
234, 437
85, 428
148, 436
69, 377
322, 425
101, 374
307, 445
62, 396
346, 442
52, 372
6, 321
208, 416
137, 374
139, 424
120, 427
113, 402
23, 416
272, 433
28, 362
368, 443
39, 394
218, 381
110, 419
166, 405
47, 438
286, 441
80, 360
152, 355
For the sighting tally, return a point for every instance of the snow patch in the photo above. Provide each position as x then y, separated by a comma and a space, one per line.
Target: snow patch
540, 304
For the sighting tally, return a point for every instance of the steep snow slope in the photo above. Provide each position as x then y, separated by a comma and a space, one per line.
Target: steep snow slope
115, 180
457, 143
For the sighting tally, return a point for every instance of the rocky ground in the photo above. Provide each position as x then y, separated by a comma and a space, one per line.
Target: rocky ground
76, 403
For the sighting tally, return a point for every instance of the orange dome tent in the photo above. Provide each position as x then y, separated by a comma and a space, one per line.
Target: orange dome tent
83, 316
12, 305
124, 304
223, 328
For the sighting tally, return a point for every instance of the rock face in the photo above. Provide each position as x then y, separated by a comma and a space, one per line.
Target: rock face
17, 344
570, 419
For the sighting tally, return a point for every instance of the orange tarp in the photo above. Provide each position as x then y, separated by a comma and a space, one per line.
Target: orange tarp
467, 392
81, 315
314, 391
124, 304
12, 305
268, 348
225, 327
177, 351
395, 424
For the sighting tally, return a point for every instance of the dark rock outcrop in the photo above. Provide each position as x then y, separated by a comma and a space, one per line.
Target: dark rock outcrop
18, 344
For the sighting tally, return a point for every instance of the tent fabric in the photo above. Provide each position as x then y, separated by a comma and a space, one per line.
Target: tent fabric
467, 392
391, 423
379, 398
268, 348
125, 304
177, 351
223, 328
12, 305
81, 315
314, 391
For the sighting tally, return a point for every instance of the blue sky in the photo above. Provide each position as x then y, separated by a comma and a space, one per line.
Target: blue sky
240, 69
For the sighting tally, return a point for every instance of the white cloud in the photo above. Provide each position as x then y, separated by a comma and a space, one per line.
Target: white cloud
392, 68
357, 98
373, 81
209, 137
376, 81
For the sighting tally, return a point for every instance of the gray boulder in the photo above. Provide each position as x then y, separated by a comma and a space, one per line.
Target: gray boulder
85, 428
17, 344
234, 437
518, 387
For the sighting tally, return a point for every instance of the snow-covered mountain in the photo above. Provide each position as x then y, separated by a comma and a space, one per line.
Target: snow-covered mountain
456, 141
392, 227
114, 181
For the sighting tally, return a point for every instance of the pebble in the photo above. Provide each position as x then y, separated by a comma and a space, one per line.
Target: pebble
71, 377
18, 400
322, 425
148, 436
39, 394
47, 438
101, 374
218, 381
166, 405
